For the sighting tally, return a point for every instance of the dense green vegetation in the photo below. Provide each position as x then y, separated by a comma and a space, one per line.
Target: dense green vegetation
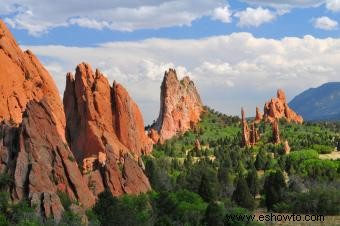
193, 186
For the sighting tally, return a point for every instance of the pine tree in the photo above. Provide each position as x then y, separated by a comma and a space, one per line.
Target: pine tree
253, 182
274, 188
206, 189
242, 195
214, 215
151, 172
261, 160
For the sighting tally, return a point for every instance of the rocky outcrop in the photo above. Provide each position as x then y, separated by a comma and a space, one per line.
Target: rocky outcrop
254, 135
41, 163
134, 179
154, 136
258, 116
23, 78
198, 146
105, 130
274, 110
180, 108
99, 115
33, 148
276, 131
129, 122
245, 130
286, 148
104, 125
278, 108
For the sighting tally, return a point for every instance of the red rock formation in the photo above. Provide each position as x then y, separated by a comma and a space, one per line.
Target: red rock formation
33, 148
258, 116
254, 135
245, 130
41, 163
180, 108
286, 148
134, 179
23, 78
278, 108
129, 122
197, 145
103, 125
154, 136
276, 131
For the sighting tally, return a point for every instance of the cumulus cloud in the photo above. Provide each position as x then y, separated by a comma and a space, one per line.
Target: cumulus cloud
222, 14
325, 23
254, 17
333, 5
229, 71
39, 16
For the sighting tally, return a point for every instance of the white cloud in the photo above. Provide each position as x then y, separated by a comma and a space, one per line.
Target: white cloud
333, 5
222, 14
286, 4
39, 16
325, 23
229, 71
254, 17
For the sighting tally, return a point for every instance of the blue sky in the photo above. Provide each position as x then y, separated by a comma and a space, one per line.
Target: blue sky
299, 21
238, 52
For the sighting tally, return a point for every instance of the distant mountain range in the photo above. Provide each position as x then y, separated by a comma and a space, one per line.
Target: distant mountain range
321, 103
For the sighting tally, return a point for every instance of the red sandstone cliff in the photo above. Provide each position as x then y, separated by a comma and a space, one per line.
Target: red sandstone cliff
33, 148
40, 162
105, 128
180, 108
23, 78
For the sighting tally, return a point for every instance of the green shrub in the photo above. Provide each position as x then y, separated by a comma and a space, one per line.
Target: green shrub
319, 169
323, 149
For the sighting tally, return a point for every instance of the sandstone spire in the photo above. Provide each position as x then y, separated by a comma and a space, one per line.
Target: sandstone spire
286, 147
181, 106
258, 116
254, 136
276, 131
245, 130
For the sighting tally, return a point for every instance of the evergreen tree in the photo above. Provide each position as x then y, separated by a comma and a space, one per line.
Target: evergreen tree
274, 188
206, 189
253, 182
224, 176
151, 171
242, 195
214, 215
261, 160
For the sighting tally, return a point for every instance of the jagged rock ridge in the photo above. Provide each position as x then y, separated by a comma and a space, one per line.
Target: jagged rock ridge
180, 107
105, 128
278, 108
